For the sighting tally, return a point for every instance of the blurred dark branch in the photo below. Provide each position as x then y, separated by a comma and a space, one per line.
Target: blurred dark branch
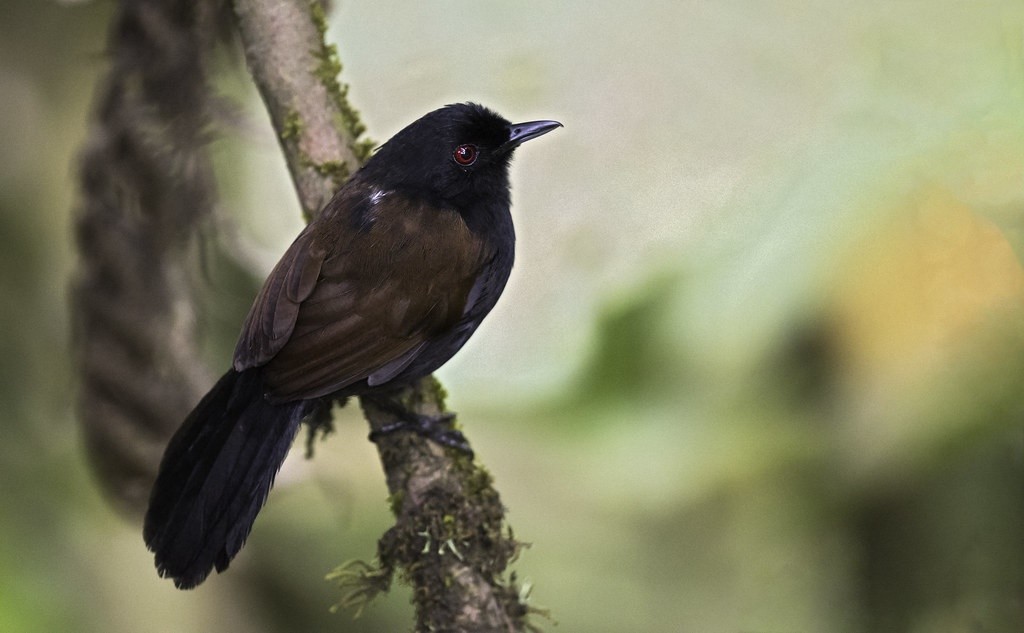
449, 538
146, 182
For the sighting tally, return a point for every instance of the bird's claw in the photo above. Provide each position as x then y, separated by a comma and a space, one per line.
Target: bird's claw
431, 427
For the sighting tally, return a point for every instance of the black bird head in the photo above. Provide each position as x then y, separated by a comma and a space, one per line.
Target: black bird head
458, 155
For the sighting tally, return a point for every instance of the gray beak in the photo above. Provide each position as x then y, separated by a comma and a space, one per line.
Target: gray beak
519, 133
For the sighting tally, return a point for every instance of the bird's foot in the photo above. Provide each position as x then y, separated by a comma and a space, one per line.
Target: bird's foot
437, 428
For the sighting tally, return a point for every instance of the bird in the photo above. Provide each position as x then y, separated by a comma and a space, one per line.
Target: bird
382, 288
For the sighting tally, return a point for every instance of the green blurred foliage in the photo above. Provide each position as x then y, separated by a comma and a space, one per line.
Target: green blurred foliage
759, 367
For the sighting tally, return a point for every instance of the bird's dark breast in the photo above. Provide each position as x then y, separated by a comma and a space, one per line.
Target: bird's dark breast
389, 301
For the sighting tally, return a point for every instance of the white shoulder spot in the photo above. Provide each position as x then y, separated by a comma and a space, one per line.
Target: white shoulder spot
376, 195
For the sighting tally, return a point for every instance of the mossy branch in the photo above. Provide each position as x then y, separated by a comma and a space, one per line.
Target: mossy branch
296, 72
450, 541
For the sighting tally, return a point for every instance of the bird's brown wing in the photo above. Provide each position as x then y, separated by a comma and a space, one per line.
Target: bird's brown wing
272, 316
341, 307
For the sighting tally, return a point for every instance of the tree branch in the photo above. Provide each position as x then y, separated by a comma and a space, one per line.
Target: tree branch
449, 540
296, 72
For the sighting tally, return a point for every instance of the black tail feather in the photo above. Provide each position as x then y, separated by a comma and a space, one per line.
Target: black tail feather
215, 476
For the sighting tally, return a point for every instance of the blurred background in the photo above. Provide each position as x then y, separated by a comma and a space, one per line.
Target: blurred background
760, 367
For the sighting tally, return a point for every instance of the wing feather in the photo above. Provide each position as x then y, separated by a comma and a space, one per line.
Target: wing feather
340, 311
273, 315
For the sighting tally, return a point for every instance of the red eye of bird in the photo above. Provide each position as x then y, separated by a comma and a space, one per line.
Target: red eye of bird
465, 155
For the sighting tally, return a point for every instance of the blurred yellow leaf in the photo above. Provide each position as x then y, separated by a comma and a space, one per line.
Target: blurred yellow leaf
923, 283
